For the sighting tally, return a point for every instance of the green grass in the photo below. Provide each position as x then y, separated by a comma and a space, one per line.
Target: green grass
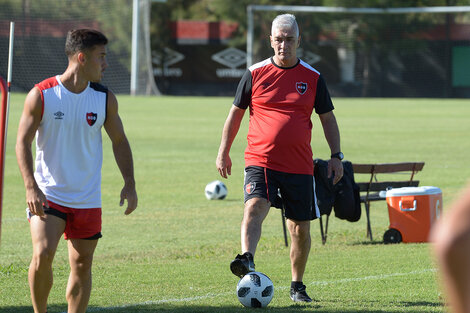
172, 253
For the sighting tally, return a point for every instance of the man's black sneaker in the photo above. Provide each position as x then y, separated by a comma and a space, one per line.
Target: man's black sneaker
299, 294
242, 264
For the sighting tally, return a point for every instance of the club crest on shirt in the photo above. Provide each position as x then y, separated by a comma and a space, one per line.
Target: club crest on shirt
250, 187
301, 87
91, 118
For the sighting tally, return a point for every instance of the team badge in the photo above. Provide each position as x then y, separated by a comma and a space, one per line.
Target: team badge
249, 188
91, 118
301, 87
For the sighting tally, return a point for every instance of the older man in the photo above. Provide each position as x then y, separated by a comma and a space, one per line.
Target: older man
282, 93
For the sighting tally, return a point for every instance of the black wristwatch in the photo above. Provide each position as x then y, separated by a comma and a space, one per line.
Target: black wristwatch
338, 155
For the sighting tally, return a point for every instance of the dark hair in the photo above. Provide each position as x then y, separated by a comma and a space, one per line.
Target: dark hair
82, 40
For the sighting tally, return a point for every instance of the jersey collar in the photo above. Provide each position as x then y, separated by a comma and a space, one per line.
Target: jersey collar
284, 68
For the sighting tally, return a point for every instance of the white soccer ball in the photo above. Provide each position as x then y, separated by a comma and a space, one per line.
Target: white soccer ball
255, 290
216, 190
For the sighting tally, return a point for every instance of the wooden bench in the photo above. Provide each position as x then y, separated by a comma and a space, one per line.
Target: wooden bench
371, 187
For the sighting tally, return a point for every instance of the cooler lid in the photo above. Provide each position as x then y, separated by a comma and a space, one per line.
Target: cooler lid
413, 191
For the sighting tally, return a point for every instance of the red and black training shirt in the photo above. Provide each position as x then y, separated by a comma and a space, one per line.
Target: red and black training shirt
281, 102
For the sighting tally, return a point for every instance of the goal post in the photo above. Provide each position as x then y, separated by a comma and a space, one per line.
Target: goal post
40, 38
142, 79
413, 51
317, 9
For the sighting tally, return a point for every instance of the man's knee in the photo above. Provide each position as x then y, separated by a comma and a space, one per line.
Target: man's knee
81, 253
299, 229
81, 263
42, 259
256, 209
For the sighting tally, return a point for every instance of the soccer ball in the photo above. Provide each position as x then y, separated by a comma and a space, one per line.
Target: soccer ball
255, 290
215, 190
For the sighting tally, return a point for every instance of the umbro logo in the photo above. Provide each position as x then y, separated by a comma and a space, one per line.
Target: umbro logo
59, 115
230, 57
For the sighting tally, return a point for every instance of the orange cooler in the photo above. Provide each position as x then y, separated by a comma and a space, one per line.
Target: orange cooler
413, 210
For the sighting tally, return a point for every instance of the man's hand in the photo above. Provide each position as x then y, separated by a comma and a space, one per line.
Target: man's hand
130, 194
231, 126
224, 165
36, 200
336, 166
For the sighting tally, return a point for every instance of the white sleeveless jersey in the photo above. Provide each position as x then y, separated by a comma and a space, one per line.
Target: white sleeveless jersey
69, 152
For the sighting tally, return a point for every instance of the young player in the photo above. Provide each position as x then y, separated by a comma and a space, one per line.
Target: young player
66, 114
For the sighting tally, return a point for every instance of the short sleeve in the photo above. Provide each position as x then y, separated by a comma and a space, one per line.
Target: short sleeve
323, 103
243, 95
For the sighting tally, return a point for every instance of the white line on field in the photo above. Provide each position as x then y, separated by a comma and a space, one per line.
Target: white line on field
213, 295
373, 277
176, 300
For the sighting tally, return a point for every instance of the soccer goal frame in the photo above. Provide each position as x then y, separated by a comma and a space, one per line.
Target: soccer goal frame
141, 63
317, 9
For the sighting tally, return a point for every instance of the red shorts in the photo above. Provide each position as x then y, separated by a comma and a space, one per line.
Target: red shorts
79, 223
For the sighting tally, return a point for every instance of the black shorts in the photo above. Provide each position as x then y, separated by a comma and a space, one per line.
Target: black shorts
296, 192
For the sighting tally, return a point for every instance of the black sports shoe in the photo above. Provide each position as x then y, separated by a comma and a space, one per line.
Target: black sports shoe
242, 264
299, 294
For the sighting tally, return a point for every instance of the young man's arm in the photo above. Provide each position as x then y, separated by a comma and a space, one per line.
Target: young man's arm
231, 127
29, 123
122, 153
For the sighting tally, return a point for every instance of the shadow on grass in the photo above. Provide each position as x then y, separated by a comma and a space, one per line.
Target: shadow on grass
157, 308
367, 243
422, 303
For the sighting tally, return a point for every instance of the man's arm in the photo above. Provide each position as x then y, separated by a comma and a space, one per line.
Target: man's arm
451, 238
231, 127
331, 130
122, 153
29, 123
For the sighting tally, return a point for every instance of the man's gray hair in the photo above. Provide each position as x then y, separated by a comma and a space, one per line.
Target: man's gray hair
285, 21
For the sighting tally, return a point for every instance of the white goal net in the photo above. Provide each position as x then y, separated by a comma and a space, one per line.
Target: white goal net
42, 25
375, 52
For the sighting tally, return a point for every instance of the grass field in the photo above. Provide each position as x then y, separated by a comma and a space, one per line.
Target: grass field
172, 254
